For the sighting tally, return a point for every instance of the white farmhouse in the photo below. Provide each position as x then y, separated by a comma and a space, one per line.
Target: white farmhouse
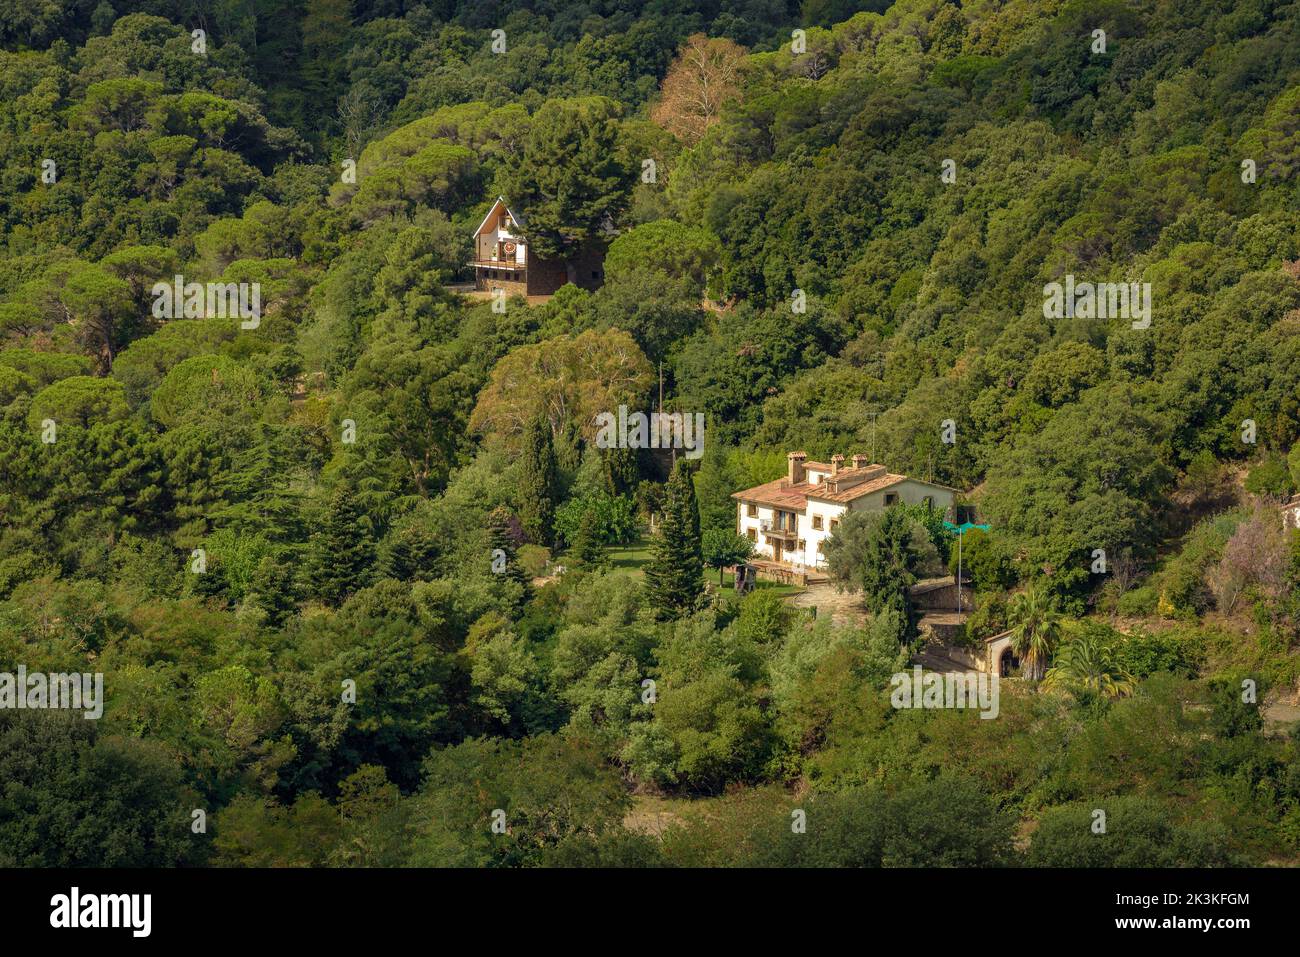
789, 520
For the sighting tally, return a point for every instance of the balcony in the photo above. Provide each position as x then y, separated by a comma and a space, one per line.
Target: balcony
498, 264
786, 530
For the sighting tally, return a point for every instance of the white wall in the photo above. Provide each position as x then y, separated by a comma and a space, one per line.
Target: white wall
908, 491
762, 545
827, 512
745, 524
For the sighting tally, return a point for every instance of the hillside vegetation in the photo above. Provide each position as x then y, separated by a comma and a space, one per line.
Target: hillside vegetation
317, 557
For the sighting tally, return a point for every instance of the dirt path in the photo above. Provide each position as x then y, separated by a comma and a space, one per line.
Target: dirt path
843, 608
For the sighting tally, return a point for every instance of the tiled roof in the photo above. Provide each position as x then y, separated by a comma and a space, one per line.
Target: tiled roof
780, 494
856, 491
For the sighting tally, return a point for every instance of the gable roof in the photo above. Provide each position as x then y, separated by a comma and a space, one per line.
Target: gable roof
501, 201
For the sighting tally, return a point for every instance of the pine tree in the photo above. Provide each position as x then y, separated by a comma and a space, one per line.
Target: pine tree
675, 574
588, 549
503, 533
409, 553
538, 483
273, 590
342, 550
211, 582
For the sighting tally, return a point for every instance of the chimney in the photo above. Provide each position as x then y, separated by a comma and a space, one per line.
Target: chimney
837, 460
859, 461
795, 475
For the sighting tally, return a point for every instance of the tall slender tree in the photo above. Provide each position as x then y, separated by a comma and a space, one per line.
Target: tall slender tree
273, 590
504, 532
675, 575
882, 554
587, 547
538, 483
618, 470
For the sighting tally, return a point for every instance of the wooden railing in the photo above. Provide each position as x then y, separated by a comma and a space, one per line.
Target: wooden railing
497, 264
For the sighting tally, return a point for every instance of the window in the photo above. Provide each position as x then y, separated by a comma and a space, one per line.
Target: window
835, 523
751, 535
800, 546
751, 510
890, 499
817, 522
929, 503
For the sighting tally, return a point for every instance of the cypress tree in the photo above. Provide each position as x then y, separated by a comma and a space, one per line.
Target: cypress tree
587, 546
538, 484
342, 550
619, 470
675, 574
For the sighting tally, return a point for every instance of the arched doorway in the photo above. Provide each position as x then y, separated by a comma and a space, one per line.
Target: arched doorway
1008, 663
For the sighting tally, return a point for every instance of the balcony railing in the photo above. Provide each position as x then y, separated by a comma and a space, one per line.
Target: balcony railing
498, 264
789, 529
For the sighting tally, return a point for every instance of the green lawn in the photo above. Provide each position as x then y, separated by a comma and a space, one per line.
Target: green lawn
631, 557
634, 556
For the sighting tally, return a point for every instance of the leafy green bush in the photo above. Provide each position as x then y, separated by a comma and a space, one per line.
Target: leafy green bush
534, 559
1271, 477
1144, 654
1139, 603
616, 521
1183, 590
1139, 832
984, 557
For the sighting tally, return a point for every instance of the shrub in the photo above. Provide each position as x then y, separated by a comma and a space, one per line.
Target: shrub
615, 518
985, 558
534, 559
1143, 654
1138, 603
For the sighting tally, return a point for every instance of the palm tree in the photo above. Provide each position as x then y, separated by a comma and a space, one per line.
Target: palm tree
1035, 630
1086, 666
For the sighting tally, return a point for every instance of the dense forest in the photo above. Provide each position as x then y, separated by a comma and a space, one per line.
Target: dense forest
365, 590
